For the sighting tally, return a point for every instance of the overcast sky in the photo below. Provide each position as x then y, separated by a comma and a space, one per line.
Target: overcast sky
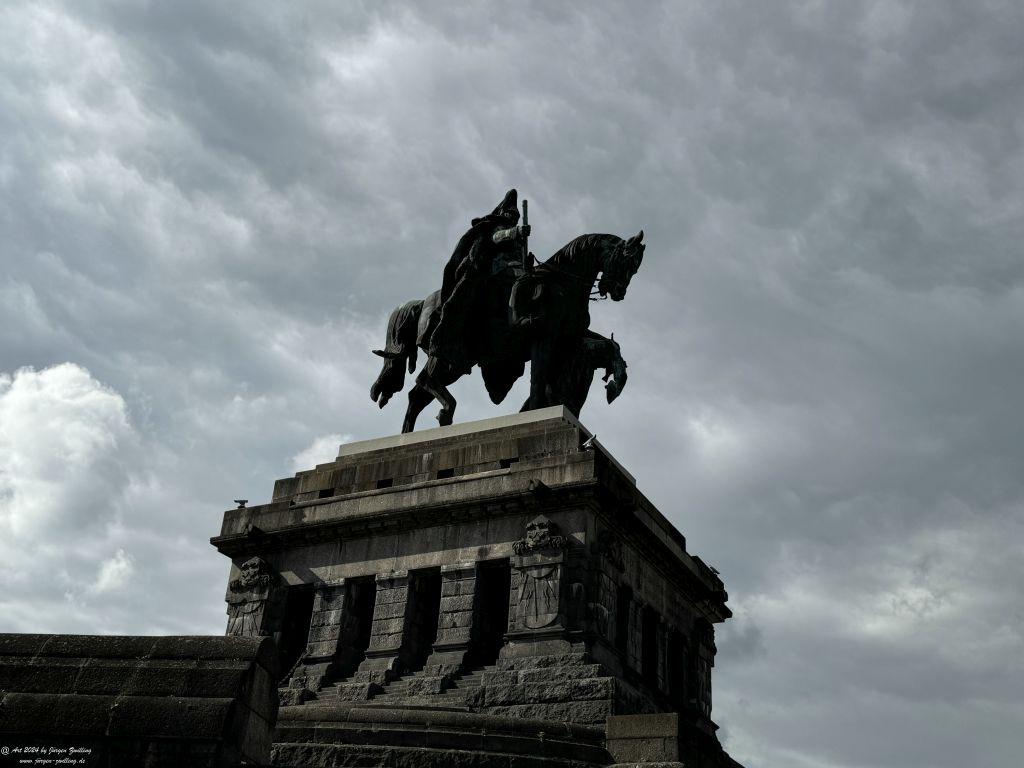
208, 210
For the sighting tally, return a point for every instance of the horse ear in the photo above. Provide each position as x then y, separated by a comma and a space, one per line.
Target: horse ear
640, 237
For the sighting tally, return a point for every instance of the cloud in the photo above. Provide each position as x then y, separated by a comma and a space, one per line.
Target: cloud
211, 209
114, 573
65, 446
68, 454
322, 450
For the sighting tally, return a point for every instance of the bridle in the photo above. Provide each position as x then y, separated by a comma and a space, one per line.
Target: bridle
594, 294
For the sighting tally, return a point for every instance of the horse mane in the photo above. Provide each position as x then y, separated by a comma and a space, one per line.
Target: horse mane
577, 244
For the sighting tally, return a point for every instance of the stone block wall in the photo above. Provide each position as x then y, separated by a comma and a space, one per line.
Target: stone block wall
208, 702
667, 739
682, 638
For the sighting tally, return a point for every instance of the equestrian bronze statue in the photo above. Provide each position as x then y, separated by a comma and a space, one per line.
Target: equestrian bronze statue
498, 309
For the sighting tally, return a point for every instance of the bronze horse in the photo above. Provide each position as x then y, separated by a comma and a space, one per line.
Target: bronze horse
543, 317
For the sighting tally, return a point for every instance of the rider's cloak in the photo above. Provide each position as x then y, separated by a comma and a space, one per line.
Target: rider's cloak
464, 276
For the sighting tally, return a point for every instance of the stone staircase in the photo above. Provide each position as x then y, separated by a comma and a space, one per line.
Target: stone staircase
458, 696
329, 692
396, 693
561, 688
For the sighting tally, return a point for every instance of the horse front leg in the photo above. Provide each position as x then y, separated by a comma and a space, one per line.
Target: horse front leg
419, 398
614, 371
607, 354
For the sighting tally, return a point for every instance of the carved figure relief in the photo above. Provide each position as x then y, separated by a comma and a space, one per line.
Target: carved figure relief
602, 611
538, 565
609, 547
538, 599
247, 599
704, 685
704, 655
634, 638
663, 683
577, 605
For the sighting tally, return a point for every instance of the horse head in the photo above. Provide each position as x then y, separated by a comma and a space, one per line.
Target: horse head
620, 265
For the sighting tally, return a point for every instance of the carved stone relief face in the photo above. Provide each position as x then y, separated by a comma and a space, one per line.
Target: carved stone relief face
250, 571
538, 531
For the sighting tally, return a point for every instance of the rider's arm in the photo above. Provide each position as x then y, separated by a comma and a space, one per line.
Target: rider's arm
517, 232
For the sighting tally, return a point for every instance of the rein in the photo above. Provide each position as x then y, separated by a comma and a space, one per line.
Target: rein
594, 293
547, 265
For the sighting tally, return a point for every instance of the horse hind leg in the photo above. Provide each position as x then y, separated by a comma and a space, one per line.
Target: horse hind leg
436, 377
399, 352
441, 393
447, 413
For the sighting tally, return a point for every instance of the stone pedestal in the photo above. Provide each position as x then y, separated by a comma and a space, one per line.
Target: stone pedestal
450, 523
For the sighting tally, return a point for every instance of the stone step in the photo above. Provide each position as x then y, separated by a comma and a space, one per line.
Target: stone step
328, 691
397, 691
427, 738
462, 686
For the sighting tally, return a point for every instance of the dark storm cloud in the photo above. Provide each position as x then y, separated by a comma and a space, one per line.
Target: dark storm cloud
209, 209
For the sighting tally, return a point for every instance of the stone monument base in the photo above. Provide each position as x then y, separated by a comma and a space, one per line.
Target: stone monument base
466, 581
334, 735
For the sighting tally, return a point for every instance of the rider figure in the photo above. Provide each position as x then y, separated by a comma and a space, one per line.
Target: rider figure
493, 245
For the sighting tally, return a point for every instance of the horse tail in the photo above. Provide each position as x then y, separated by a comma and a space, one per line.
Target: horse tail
399, 352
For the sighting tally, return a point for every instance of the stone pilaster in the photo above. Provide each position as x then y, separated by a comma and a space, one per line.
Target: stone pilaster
328, 647
381, 663
705, 660
662, 666
634, 637
458, 606
455, 629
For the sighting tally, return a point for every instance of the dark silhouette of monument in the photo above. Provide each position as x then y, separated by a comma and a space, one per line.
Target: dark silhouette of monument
491, 593
497, 309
